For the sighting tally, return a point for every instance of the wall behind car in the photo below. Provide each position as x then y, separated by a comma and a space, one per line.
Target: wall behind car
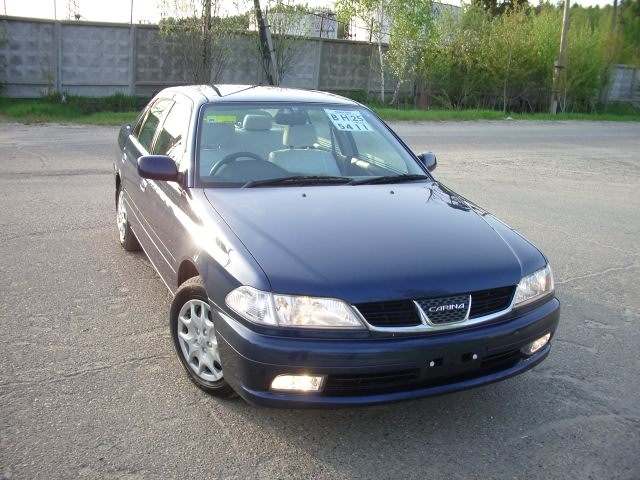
98, 59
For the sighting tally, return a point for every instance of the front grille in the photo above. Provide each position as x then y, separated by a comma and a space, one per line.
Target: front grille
439, 317
454, 369
390, 314
486, 302
369, 382
403, 313
502, 360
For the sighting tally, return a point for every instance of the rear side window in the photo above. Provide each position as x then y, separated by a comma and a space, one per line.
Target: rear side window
156, 114
172, 139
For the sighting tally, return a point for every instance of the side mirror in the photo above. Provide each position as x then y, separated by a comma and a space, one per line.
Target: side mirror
158, 167
429, 160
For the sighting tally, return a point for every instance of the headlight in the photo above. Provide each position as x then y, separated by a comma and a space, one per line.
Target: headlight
291, 310
536, 285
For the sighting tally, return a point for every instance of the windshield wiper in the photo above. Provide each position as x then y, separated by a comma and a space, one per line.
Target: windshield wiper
388, 179
297, 180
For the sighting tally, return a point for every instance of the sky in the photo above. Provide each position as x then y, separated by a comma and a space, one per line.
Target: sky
145, 11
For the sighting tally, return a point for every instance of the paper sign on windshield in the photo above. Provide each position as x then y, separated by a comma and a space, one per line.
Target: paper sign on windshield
220, 119
348, 120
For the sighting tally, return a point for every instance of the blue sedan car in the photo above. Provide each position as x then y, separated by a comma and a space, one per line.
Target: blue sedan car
313, 259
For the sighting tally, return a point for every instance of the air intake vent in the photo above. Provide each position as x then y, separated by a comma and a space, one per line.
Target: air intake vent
390, 314
486, 302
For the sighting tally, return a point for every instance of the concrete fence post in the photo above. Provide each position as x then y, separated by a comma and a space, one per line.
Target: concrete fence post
58, 67
318, 65
132, 59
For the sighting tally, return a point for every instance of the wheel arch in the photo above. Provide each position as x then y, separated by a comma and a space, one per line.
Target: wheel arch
186, 271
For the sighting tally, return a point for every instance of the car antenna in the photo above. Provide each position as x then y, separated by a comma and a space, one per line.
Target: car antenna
215, 89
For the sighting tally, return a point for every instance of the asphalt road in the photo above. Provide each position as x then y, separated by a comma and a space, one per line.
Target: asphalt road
90, 386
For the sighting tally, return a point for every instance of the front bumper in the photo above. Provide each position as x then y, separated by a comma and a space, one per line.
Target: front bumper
372, 371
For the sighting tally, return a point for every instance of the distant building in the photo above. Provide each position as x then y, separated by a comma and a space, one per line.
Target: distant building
318, 24
361, 31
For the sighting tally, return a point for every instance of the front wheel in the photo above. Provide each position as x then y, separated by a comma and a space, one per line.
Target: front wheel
194, 338
126, 236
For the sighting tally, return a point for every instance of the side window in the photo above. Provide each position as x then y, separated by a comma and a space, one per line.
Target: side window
172, 139
156, 114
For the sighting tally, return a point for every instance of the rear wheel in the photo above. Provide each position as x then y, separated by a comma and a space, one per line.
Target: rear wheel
126, 236
194, 338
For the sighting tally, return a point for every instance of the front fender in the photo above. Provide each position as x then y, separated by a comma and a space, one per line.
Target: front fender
221, 259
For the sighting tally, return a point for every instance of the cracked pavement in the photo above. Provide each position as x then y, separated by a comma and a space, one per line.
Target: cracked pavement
90, 386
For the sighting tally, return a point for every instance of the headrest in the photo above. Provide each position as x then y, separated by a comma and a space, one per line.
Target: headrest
217, 134
298, 136
257, 122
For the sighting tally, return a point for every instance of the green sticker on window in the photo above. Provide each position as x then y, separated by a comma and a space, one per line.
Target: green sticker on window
220, 119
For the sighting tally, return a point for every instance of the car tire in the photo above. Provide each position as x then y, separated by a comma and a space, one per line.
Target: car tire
126, 236
194, 338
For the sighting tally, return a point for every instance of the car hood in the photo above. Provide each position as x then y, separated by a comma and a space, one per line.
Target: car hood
372, 242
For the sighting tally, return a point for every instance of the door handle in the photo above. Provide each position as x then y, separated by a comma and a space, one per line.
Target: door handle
143, 184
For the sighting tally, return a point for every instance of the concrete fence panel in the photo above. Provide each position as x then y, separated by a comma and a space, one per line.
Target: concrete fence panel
94, 59
624, 85
28, 57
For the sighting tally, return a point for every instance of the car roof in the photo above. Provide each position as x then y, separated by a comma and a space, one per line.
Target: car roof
255, 93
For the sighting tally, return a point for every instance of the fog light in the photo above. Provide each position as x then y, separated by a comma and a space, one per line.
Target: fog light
298, 383
533, 347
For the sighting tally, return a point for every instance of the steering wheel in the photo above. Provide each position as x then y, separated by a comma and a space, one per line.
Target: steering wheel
232, 157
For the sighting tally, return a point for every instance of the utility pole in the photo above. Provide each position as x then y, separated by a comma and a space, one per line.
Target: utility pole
268, 57
131, 13
206, 42
559, 64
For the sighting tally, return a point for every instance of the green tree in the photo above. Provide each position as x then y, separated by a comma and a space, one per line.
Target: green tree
290, 25
410, 37
508, 53
630, 32
495, 7
200, 37
376, 14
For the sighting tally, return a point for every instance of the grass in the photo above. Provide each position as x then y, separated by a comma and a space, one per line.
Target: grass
458, 115
40, 111
119, 109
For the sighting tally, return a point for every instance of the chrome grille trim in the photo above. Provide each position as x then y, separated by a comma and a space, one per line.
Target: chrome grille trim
425, 326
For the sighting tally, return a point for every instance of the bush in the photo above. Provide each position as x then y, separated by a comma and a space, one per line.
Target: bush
118, 102
477, 59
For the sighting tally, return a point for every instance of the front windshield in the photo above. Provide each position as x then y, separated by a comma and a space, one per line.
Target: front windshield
252, 144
